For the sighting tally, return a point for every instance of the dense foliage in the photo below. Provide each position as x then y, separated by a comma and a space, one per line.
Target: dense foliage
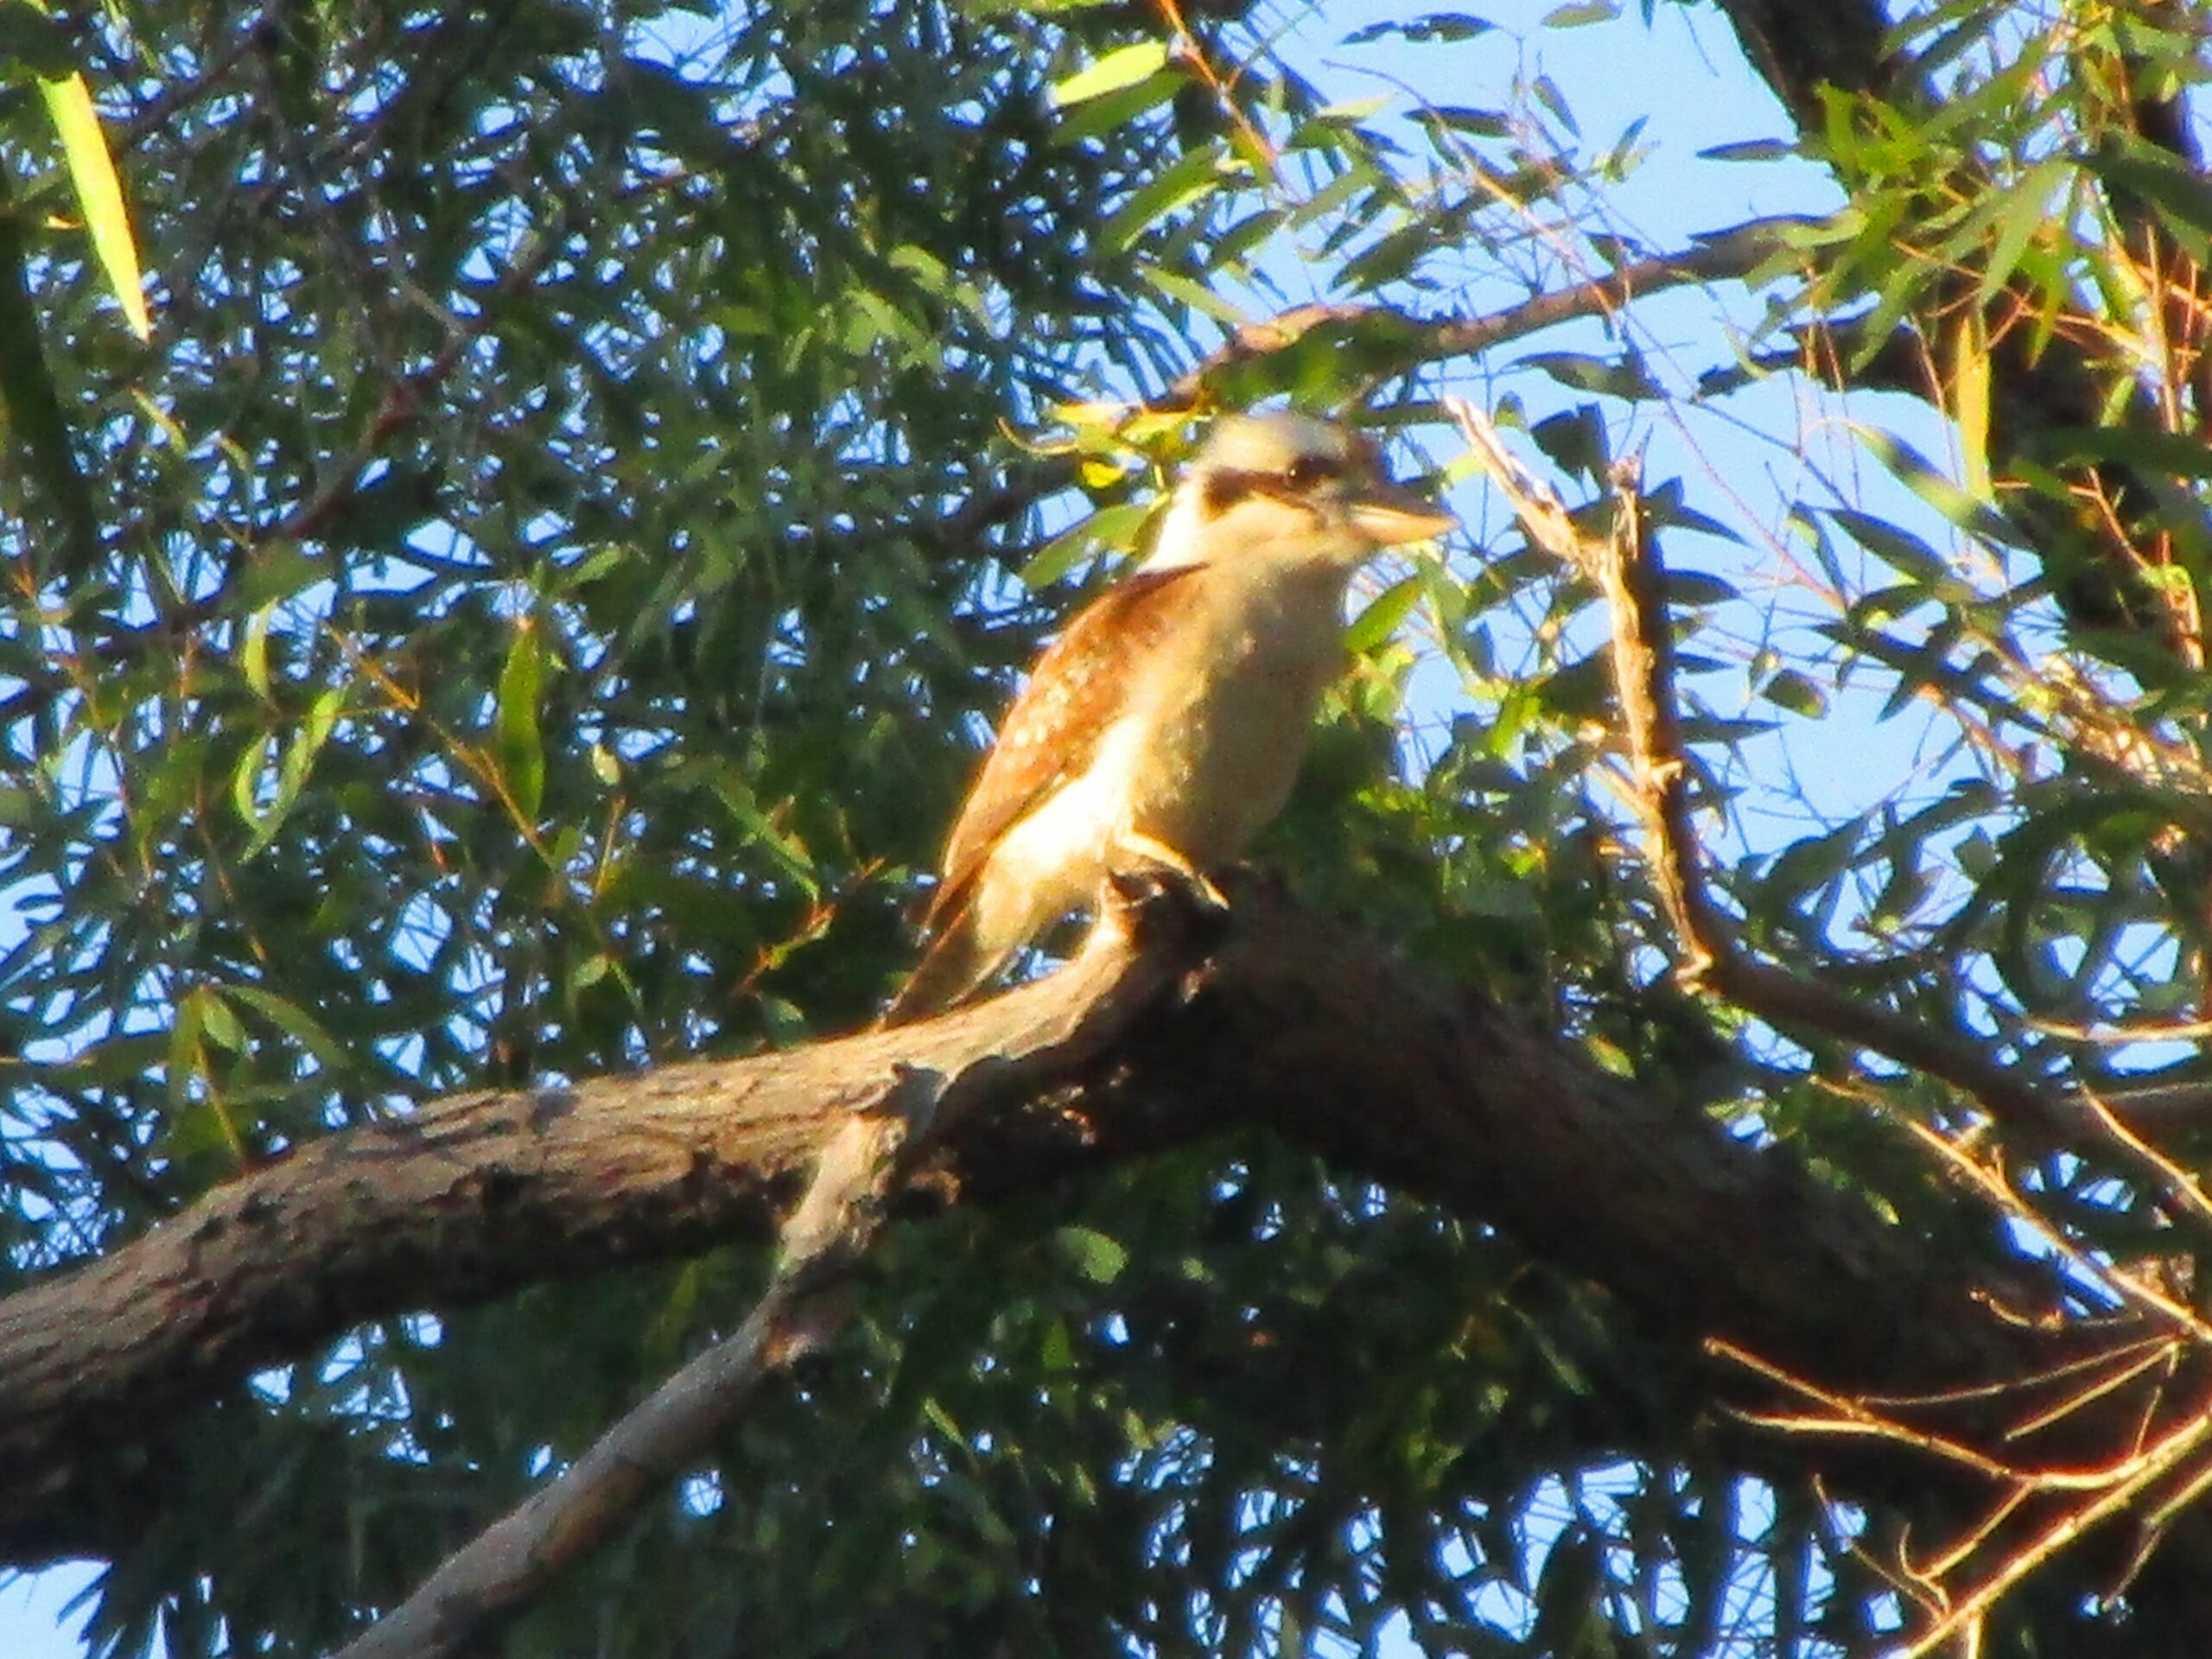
529, 609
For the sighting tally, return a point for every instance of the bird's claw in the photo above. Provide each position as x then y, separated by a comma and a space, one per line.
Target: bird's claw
1146, 883
1153, 867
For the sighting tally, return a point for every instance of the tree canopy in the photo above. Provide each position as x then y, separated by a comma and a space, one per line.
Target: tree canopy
1691, 1141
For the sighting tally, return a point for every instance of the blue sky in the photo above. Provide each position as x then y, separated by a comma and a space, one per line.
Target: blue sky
1687, 76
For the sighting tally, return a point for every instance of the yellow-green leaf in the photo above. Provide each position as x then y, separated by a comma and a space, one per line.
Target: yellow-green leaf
1970, 385
100, 193
292, 771
1095, 1256
1375, 624
253, 651
220, 1021
1110, 528
1123, 68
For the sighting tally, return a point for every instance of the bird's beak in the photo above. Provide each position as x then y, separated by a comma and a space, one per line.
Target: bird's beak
1390, 515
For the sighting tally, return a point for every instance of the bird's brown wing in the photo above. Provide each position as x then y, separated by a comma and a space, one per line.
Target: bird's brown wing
1051, 732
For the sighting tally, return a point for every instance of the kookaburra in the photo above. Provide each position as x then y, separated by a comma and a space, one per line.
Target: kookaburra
1166, 725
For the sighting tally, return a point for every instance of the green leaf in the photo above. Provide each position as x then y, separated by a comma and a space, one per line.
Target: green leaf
1898, 548
878, 319
1689, 589
2182, 195
1113, 529
1751, 149
1817, 861
588, 972
1192, 178
1574, 442
1349, 113
737, 798
1333, 195
219, 1020
1389, 258
1381, 619
295, 1022
2172, 453
1103, 114
1095, 1256
36, 41
245, 782
1117, 70
1567, 1597
1622, 377
278, 571
27, 394
1197, 295
1794, 691
253, 651
292, 772
2023, 214
521, 745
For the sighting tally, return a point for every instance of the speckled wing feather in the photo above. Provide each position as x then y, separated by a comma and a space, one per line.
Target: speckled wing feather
1052, 730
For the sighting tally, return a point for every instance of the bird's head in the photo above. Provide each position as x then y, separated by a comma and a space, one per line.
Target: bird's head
1289, 486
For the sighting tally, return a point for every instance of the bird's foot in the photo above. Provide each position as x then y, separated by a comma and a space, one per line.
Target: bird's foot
1153, 886
1154, 866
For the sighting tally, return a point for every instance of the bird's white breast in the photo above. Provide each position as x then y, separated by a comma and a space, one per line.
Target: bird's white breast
1220, 732
1200, 753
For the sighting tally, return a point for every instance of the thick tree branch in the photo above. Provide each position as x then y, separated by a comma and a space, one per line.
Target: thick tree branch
1335, 1043
864, 1162
474, 1198
1800, 45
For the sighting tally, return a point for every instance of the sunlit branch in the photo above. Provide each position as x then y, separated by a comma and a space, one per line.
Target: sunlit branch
2128, 1287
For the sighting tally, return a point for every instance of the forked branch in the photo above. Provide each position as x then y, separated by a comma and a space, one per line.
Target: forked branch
1624, 563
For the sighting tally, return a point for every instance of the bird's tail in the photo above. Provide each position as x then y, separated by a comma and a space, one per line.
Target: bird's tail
954, 964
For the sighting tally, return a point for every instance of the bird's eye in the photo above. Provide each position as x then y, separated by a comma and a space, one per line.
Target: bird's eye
1308, 470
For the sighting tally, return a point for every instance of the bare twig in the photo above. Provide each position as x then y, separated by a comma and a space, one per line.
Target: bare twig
2070, 1526
1853, 1415
2091, 1268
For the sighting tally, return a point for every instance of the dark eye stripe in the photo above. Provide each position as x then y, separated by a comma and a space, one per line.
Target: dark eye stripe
1226, 486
